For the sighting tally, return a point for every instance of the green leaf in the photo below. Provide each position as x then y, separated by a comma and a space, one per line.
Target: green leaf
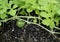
10, 3
16, 2
14, 6
12, 12
57, 19
31, 1
35, 21
22, 12
57, 8
43, 2
49, 22
29, 9
20, 23
3, 10
3, 16
37, 12
35, 6
52, 25
46, 22
44, 14
58, 11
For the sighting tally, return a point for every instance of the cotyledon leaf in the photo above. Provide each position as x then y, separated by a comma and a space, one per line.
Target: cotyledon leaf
20, 23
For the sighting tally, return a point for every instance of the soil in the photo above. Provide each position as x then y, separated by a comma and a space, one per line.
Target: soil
29, 33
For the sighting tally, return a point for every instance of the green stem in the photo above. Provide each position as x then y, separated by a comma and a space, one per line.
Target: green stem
15, 17
18, 17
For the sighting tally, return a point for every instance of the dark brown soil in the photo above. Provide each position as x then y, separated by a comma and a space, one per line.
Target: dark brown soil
29, 33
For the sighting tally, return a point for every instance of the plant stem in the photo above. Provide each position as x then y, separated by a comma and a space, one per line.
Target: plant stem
15, 17
57, 28
18, 17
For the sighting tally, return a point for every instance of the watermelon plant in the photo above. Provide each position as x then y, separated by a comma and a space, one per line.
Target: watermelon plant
47, 11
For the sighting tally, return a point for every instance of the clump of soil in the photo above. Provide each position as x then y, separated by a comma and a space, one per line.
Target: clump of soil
29, 33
